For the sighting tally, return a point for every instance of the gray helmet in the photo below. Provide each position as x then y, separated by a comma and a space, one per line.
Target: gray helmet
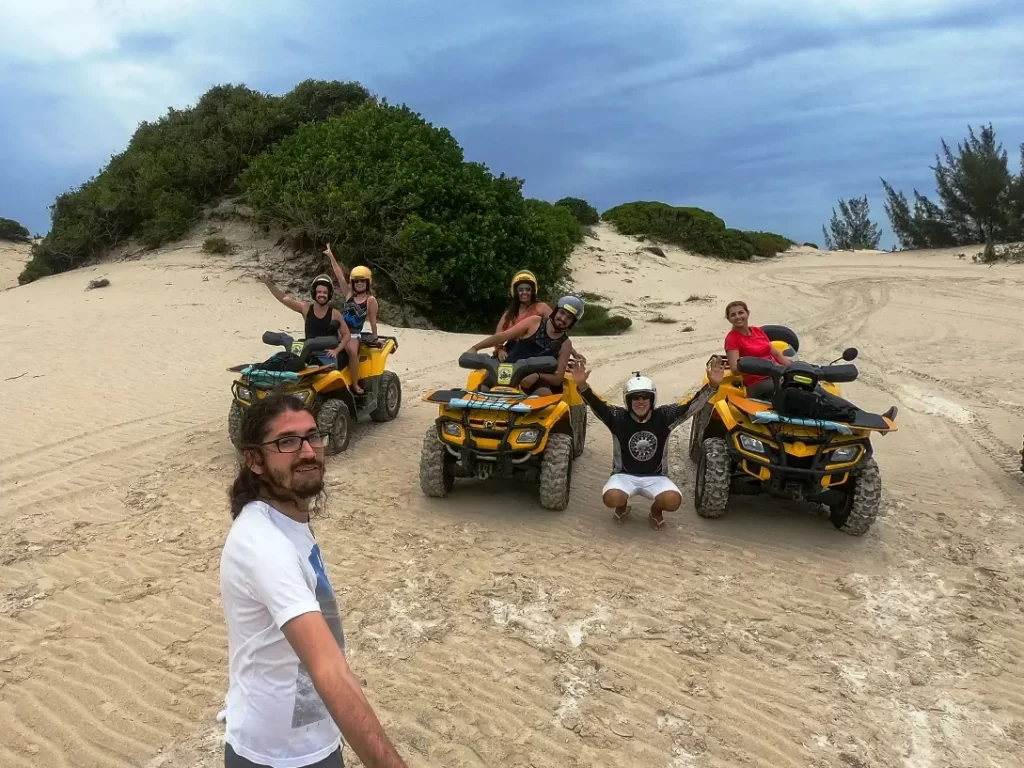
573, 305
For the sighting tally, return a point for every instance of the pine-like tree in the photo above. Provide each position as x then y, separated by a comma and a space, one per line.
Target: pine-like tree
852, 227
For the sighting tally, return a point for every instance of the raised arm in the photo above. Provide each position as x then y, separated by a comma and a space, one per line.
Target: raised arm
340, 691
679, 412
603, 410
339, 271
292, 304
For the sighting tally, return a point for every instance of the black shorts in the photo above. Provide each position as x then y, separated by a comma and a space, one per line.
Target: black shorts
232, 760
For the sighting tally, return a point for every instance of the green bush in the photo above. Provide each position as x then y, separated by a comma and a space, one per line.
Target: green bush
13, 231
768, 244
218, 244
585, 213
154, 189
599, 321
388, 189
691, 228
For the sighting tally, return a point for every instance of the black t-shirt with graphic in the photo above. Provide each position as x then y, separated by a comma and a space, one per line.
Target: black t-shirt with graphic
640, 447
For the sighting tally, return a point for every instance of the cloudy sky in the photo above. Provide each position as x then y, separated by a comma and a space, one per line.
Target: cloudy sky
763, 111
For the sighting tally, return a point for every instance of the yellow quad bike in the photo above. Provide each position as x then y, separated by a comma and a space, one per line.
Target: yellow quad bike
493, 429
806, 444
321, 384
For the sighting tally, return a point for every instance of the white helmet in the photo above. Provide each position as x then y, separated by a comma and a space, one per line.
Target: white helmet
639, 385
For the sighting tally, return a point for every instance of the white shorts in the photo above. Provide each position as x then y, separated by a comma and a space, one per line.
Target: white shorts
647, 486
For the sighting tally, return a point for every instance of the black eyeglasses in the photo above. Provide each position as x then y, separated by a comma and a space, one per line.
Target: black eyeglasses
293, 443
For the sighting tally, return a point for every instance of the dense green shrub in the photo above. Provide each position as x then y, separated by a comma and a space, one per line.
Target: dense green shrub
768, 243
691, 228
388, 189
585, 213
599, 321
218, 244
153, 190
13, 231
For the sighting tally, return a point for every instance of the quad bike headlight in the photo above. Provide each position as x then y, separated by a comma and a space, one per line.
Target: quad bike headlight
528, 436
751, 444
303, 395
244, 393
843, 455
452, 429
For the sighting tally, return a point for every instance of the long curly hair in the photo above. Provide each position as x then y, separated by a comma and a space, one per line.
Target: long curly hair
509, 318
249, 486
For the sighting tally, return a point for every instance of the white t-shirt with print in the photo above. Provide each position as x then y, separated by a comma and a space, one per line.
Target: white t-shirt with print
271, 571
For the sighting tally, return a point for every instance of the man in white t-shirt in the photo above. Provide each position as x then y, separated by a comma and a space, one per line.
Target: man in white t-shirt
291, 693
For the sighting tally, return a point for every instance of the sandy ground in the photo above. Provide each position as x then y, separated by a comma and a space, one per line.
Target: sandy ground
12, 260
489, 631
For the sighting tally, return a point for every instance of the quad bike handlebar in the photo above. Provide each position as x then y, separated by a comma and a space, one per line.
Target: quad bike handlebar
836, 374
310, 346
476, 361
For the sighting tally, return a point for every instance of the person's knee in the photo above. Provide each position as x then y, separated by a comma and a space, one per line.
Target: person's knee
615, 498
668, 500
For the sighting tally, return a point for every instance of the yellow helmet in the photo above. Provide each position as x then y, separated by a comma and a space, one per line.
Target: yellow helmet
523, 276
361, 273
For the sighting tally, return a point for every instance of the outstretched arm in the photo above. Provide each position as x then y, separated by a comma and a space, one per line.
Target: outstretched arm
603, 410
518, 331
679, 412
292, 304
339, 271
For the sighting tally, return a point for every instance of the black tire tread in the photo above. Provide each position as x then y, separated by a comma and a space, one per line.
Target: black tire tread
556, 472
716, 466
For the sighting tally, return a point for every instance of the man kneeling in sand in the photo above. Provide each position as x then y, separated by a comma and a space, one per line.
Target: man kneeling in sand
291, 694
640, 433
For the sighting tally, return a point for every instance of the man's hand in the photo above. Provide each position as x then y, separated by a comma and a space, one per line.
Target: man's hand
716, 371
502, 354
580, 372
336, 351
263, 277
327, 251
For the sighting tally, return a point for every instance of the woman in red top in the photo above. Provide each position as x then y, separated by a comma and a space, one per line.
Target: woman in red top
745, 340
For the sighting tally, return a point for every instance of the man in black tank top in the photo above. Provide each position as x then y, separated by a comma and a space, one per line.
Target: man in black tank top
318, 314
541, 337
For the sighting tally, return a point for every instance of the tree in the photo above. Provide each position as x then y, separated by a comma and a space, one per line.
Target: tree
978, 198
153, 190
13, 231
388, 189
852, 227
585, 213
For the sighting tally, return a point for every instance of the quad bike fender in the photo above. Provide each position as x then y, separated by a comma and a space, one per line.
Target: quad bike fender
724, 412
331, 380
373, 360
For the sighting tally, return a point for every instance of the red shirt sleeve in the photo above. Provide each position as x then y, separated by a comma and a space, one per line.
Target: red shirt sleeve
732, 341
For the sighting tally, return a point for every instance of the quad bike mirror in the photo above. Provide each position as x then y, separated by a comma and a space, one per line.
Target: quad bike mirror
849, 354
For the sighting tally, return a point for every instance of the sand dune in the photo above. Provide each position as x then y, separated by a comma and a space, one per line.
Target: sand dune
12, 260
489, 631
